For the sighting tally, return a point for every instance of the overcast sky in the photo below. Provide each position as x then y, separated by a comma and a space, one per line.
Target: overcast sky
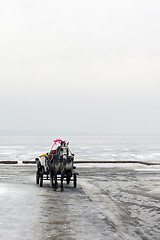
89, 66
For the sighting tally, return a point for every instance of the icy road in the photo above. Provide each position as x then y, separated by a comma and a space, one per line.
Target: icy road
110, 202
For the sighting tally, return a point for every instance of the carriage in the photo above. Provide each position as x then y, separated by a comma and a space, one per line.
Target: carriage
62, 153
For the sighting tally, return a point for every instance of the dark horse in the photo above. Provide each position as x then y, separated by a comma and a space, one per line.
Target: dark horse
58, 165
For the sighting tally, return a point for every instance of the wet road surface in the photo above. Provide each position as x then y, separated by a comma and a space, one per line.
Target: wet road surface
109, 203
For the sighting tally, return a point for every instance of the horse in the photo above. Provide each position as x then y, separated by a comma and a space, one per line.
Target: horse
58, 163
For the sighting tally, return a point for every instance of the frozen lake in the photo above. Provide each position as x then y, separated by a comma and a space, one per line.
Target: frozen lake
136, 148
110, 202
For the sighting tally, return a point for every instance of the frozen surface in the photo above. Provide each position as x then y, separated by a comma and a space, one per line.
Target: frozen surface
109, 202
85, 148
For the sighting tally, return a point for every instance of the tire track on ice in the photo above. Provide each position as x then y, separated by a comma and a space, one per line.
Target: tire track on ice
113, 214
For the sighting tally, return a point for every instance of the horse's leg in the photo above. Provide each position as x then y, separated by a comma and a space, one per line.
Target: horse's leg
51, 177
62, 176
55, 180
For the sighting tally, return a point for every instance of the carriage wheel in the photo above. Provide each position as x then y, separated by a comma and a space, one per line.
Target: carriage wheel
41, 180
75, 180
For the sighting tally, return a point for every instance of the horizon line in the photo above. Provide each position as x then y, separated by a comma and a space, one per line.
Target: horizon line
69, 133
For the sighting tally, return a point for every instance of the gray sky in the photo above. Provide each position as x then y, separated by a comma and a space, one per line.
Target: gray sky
80, 66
